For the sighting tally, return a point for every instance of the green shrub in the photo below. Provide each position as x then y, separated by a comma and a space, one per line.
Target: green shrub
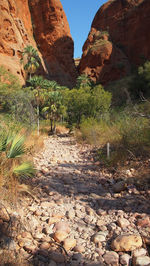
16, 109
98, 43
86, 102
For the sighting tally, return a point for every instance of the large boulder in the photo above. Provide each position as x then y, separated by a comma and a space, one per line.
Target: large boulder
117, 40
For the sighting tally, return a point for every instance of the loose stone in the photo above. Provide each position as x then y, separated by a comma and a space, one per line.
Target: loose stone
126, 242
111, 258
122, 222
99, 237
69, 243
125, 259
141, 261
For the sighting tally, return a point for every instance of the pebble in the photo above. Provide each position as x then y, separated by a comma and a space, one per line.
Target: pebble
45, 245
60, 236
125, 259
69, 243
141, 261
139, 252
111, 258
122, 222
99, 237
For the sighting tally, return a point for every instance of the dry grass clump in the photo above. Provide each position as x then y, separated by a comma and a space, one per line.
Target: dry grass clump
34, 143
128, 135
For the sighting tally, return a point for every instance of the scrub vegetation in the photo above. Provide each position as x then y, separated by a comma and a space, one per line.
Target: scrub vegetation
117, 114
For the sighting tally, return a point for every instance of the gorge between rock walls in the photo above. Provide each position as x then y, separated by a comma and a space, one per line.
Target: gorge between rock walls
119, 39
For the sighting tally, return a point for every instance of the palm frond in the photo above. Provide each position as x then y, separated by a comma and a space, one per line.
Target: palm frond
25, 169
5, 139
17, 147
45, 109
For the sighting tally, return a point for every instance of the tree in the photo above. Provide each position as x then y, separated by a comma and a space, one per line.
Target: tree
83, 81
31, 60
53, 105
38, 84
86, 102
99, 101
76, 101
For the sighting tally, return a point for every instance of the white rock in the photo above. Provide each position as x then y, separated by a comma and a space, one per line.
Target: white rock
139, 252
125, 259
122, 222
99, 237
141, 261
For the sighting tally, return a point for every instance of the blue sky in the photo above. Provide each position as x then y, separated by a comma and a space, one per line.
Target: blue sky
80, 14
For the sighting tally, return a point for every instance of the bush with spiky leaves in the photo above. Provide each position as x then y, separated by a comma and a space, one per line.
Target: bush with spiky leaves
12, 148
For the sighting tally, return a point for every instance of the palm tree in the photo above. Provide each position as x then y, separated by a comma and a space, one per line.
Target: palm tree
42, 88
52, 85
32, 60
83, 81
38, 83
54, 107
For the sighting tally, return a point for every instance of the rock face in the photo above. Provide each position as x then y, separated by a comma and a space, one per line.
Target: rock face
15, 34
119, 38
51, 32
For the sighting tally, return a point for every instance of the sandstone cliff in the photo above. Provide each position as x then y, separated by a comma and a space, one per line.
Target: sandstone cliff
15, 34
45, 20
119, 39
52, 35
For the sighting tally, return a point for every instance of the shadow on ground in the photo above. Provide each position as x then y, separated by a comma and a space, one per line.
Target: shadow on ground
85, 181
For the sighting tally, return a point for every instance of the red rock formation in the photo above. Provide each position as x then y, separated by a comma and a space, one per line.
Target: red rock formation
119, 38
52, 34
15, 34
51, 31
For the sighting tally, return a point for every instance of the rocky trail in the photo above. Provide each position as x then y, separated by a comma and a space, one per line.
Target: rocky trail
80, 215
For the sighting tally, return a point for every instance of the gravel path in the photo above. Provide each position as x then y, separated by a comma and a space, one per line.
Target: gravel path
80, 212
